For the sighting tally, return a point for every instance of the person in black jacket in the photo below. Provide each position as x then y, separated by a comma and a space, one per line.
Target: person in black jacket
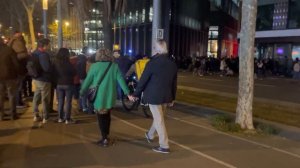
9, 73
64, 73
81, 70
158, 84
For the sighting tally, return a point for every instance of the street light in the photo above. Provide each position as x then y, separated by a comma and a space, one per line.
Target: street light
67, 24
45, 8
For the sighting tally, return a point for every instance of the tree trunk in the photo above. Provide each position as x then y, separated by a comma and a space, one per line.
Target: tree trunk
31, 27
246, 65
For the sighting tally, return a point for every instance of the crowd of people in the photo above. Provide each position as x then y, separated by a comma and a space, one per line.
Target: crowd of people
75, 76
229, 66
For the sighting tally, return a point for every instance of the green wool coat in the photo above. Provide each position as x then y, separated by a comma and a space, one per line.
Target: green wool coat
107, 91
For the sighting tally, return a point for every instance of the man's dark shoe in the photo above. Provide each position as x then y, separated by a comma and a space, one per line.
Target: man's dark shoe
1, 117
14, 117
161, 150
148, 138
103, 143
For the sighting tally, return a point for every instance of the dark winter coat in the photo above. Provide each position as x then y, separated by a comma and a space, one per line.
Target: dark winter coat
9, 65
81, 66
64, 73
18, 44
158, 81
47, 71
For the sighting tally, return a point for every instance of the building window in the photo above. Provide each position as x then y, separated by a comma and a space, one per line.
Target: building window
294, 14
265, 17
151, 14
280, 15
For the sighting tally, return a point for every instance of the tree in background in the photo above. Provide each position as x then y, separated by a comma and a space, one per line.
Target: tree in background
29, 6
244, 115
16, 14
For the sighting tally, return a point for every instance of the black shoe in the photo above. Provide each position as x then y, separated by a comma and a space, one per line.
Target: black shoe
148, 138
161, 150
1, 117
14, 117
103, 143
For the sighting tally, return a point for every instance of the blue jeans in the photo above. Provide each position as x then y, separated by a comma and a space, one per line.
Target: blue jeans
64, 94
83, 100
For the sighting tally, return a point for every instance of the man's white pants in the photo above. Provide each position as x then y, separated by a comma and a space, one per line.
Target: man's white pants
158, 124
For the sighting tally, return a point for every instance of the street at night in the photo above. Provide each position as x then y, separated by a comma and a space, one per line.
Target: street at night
194, 143
149, 83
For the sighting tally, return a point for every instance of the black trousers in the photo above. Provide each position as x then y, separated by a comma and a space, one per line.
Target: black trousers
104, 124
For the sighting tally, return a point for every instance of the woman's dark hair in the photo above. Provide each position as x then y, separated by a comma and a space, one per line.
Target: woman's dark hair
62, 56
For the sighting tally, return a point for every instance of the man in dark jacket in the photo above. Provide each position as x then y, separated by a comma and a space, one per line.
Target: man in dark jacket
9, 73
18, 44
43, 81
158, 84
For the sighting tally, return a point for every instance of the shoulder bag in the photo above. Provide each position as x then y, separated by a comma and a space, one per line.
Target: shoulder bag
92, 92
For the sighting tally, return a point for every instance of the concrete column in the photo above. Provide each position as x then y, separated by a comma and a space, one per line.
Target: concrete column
45, 23
156, 24
59, 18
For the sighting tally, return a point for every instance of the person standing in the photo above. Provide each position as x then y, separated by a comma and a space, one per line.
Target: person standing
158, 84
296, 69
9, 72
76, 80
64, 73
18, 44
43, 81
81, 70
106, 95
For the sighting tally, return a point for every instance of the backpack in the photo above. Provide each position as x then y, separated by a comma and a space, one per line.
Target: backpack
34, 67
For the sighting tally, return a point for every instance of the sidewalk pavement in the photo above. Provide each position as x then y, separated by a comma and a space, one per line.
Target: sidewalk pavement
194, 143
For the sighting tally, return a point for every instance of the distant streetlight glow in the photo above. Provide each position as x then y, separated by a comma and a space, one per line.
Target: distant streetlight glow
45, 4
45, 8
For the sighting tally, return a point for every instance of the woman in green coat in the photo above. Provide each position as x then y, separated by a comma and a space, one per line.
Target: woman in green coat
107, 91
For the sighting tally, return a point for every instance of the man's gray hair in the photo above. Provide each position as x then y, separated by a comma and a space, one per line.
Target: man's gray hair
161, 47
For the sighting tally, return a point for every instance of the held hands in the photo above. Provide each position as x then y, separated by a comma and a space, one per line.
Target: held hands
171, 104
132, 98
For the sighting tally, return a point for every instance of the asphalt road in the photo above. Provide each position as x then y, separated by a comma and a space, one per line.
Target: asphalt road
280, 89
194, 143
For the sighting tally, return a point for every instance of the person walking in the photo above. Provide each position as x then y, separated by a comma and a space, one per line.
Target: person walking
9, 72
105, 74
158, 84
64, 73
296, 69
43, 81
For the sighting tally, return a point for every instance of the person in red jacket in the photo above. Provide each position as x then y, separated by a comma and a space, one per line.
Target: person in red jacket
76, 88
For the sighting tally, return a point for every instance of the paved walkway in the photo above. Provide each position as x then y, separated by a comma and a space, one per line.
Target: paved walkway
194, 143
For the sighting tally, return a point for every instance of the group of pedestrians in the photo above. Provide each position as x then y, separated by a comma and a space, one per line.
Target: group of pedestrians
72, 76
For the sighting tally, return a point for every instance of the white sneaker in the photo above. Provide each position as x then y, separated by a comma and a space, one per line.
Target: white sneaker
36, 118
70, 121
44, 121
60, 120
